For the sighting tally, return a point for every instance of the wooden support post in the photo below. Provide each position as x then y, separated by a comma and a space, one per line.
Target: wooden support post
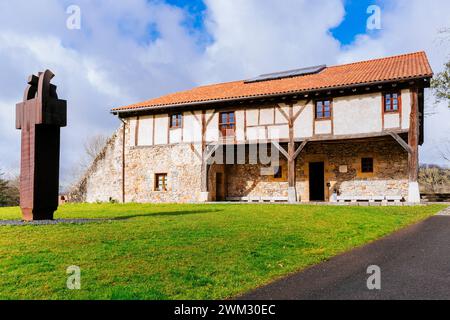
292, 194
413, 142
292, 154
204, 182
204, 170
124, 126
205, 157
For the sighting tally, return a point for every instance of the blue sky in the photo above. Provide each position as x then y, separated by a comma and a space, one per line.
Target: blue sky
355, 20
353, 24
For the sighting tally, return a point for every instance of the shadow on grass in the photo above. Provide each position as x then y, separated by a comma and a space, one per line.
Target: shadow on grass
58, 220
165, 214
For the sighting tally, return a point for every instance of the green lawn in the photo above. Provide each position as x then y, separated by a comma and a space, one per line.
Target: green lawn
182, 251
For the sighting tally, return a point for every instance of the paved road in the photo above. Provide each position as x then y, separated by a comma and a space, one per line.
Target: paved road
414, 262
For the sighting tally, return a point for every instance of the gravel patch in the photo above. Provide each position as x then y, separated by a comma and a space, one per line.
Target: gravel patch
49, 222
445, 212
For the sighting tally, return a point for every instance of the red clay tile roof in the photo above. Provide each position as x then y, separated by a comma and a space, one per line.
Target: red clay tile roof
402, 67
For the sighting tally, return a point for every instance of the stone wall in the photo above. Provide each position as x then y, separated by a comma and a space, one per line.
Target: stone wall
103, 180
246, 180
390, 176
178, 161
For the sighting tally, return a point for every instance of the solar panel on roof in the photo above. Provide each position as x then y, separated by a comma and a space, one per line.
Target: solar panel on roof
287, 74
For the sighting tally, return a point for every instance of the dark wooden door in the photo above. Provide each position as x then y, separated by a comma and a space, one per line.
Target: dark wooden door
316, 181
220, 187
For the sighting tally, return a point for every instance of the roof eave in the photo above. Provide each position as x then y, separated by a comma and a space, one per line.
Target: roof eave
269, 96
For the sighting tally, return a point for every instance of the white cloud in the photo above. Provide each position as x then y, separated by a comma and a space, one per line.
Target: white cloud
251, 37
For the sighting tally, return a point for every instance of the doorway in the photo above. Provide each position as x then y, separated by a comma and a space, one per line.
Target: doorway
220, 187
316, 181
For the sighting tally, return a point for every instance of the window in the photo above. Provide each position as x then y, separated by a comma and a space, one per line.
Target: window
278, 172
161, 182
323, 109
176, 120
227, 123
366, 165
391, 102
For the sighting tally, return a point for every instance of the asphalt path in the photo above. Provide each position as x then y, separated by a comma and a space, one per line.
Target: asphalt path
414, 263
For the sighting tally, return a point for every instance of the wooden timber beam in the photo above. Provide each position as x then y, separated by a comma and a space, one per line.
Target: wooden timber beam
401, 142
199, 156
286, 153
204, 180
205, 166
299, 149
204, 170
281, 149
413, 137
291, 149
282, 112
210, 118
299, 112
209, 153
195, 116
291, 154
205, 157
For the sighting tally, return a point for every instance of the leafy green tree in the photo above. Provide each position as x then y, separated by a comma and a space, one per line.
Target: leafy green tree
441, 85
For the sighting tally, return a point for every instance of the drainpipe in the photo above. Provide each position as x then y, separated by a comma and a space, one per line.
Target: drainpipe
123, 159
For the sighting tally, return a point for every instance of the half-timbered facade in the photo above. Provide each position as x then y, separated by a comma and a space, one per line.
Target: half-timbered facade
348, 132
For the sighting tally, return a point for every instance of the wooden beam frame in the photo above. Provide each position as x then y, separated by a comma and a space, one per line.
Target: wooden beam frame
281, 149
282, 112
286, 154
401, 142
199, 156
302, 108
210, 152
300, 148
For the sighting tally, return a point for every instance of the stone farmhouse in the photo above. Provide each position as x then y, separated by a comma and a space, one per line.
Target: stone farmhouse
341, 133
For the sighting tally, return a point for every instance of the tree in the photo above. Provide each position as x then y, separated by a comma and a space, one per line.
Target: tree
441, 85
93, 146
433, 178
9, 192
14, 191
3, 191
444, 150
441, 82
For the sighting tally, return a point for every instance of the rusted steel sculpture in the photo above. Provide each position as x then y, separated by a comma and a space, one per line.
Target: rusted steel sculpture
40, 116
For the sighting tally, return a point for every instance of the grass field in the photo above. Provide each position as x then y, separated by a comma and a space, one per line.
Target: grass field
182, 251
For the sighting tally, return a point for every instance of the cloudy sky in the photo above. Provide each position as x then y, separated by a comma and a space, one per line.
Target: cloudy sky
130, 51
